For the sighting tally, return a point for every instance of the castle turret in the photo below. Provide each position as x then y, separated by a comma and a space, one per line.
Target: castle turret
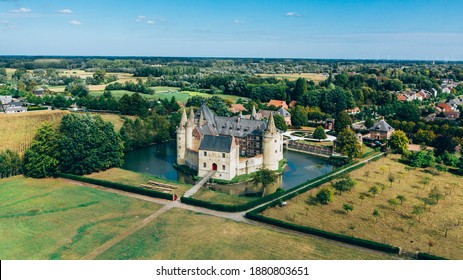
272, 145
181, 140
189, 130
254, 113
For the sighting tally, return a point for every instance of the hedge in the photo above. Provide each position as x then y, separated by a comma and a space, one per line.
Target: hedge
118, 186
231, 208
36, 108
326, 234
426, 256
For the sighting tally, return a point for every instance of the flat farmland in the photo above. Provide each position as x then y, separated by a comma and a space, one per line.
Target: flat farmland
316, 77
184, 235
18, 130
119, 93
397, 224
54, 219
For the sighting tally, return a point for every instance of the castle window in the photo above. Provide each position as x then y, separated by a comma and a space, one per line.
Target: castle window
223, 167
223, 155
205, 154
179, 147
275, 140
204, 165
276, 151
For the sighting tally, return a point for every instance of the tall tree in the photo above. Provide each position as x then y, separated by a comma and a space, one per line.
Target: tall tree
398, 142
41, 159
299, 116
280, 122
348, 145
342, 121
319, 133
88, 144
300, 89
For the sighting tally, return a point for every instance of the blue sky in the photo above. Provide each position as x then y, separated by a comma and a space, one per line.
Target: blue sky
385, 29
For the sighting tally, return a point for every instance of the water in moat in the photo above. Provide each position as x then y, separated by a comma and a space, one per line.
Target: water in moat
158, 160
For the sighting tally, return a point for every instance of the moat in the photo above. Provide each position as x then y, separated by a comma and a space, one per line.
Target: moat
158, 160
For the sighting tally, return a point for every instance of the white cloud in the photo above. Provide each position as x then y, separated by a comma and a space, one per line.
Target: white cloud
75, 22
293, 14
65, 11
140, 19
239, 21
150, 22
22, 10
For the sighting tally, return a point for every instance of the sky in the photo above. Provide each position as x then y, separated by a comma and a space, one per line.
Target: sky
335, 29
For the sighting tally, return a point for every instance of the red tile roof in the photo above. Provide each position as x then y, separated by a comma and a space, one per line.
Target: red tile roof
236, 108
278, 103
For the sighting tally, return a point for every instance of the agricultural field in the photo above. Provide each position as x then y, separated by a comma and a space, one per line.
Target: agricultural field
436, 228
123, 176
18, 130
115, 119
119, 93
180, 234
316, 77
54, 219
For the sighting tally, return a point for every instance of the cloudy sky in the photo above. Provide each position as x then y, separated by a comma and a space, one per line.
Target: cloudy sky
385, 29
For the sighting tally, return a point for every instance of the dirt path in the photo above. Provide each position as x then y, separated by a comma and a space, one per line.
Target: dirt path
127, 233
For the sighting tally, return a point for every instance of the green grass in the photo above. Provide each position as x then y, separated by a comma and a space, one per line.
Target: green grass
179, 234
183, 96
222, 198
135, 179
165, 89
119, 93
54, 219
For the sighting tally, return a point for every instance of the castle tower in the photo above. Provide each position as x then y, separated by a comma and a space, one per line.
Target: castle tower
181, 140
272, 146
189, 130
254, 113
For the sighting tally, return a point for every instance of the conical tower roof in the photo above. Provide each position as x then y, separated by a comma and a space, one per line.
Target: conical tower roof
191, 119
271, 128
184, 120
254, 113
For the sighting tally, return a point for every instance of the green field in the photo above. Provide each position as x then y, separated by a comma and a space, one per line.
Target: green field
119, 93
180, 234
54, 219
183, 96
123, 176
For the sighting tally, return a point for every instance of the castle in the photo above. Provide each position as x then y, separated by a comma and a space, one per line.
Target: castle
230, 146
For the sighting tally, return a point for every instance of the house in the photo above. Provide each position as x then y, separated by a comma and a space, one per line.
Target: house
230, 146
292, 103
402, 97
265, 114
444, 107
236, 108
38, 91
14, 107
278, 103
329, 124
381, 130
354, 111
5, 99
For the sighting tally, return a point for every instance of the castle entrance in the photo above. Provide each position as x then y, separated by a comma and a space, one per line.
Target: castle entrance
214, 166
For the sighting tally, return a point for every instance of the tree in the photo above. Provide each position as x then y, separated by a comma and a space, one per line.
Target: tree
401, 198
299, 116
133, 105
366, 174
398, 142
325, 196
300, 89
319, 133
362, 197
373, 190
393, 202
88, 144
444, 143
280, 122
417, 211
368, 123
347, 207
391, 179
345, 184
376, 214
348, 145
10, 163
41, 159
99, 76
436, 194
265, 177
342, 121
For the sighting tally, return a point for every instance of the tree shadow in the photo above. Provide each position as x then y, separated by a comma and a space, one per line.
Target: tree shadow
312, 201
337, 211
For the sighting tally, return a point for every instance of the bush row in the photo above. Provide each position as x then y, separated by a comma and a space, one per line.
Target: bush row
118, 186
426, 256
329, 235
36, 109
231, 208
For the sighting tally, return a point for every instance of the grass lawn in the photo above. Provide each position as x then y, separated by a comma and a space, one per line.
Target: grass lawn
179, 234
135, 179
183, 96
54, 219
119, 93
222, 198
165, 89
396, 225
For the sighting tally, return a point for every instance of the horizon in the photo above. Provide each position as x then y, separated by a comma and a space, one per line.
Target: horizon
377, 30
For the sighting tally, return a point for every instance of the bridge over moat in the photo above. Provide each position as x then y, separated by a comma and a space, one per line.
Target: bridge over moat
199, 184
